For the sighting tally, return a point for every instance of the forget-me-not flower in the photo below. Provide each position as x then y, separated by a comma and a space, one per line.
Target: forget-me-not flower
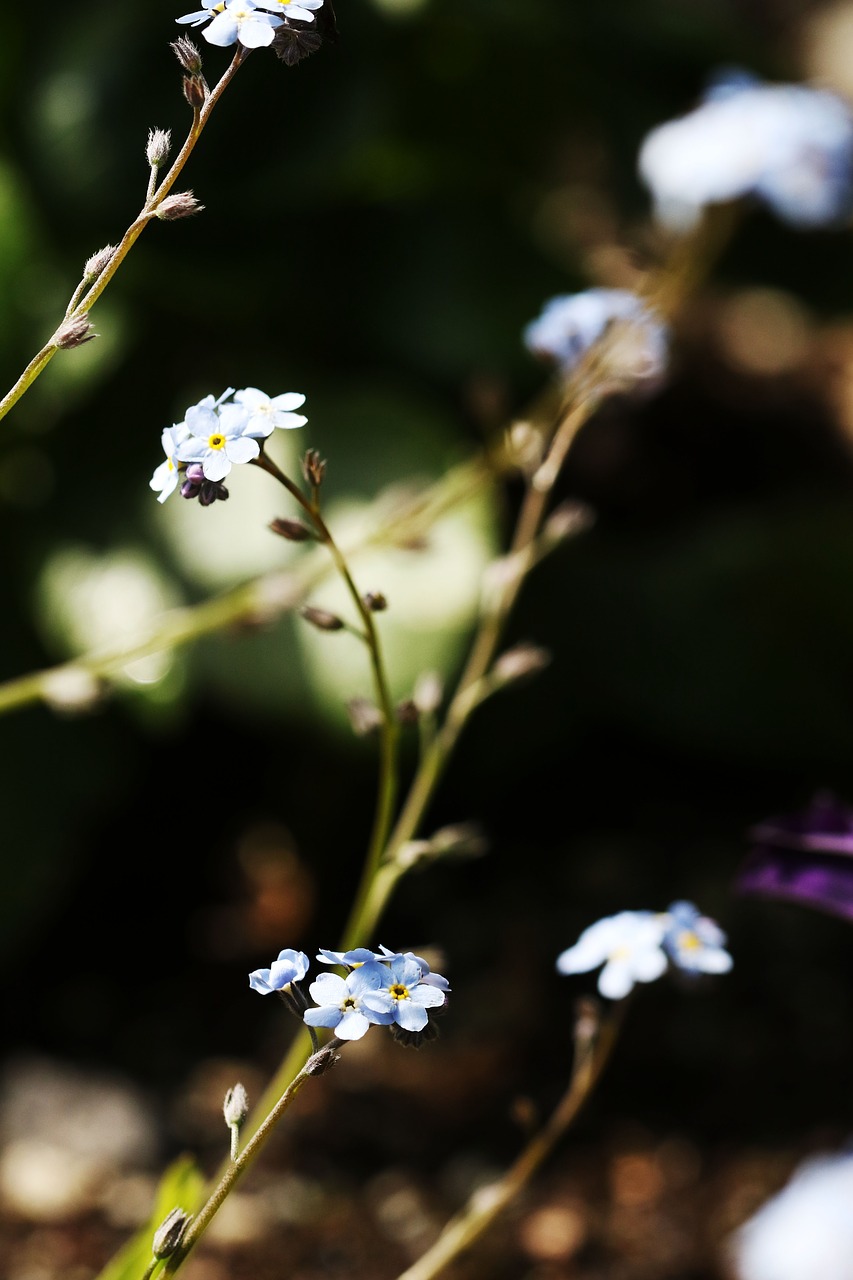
165, 478
265, 414
693, 942
297, 9
403, 993
805, 1232
235, 20
791, 146
630, 947
290, 966
216, 439
351, 959
569, 325
343, 1002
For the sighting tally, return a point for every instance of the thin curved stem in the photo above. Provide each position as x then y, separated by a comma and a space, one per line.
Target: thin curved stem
488, 1203
149, 210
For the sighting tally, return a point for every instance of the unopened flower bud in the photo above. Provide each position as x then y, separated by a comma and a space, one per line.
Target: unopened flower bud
98, 261
158, 147
235, 1108
168, 1235
375, 601
321, 618
293, 530
524, 446
460, 840
364, 716
188, 55
407, 712
568, 519
415, 1039
182, 205
195, 91
314, 468
212, 491
428, 692
323, 1059
522, 660
74, 332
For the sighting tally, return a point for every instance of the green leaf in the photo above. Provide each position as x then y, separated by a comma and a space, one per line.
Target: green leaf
181, 1186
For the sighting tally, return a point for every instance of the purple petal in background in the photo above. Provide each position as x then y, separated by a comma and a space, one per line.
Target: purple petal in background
823, 881
825, 826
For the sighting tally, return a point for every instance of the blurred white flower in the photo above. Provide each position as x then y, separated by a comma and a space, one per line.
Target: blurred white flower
806, 1231
788, 145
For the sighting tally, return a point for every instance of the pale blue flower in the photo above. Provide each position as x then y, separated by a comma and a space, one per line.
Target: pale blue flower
789, 145
351, 959
204, 14
265, 414
630, 947
291, 966
165, 478
570, 324
403, 991
299, 9
342, 1002
217, 438
694, 942
243, 21
427, 976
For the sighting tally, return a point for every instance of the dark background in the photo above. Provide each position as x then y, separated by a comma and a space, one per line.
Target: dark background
380, 224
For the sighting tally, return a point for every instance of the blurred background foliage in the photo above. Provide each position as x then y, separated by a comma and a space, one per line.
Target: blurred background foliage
380, 224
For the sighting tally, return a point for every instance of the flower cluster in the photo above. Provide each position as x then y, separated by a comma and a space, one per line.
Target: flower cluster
570, 325
251, 22
214, 434
381, 988
788, 145
638, 946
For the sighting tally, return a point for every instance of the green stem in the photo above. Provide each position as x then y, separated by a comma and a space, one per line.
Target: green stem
237, 1167
389, 729
131, 235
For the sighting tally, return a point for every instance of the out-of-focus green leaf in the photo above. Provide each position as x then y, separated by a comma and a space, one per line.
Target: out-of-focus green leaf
181, 1186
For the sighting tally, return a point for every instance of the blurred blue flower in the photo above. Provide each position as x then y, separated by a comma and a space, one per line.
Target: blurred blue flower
571, 324
290, 966
789, 145
694, 942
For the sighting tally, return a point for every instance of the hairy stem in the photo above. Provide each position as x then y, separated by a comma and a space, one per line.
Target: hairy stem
131, 235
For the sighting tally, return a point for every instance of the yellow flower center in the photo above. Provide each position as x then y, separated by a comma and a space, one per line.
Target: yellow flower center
399, 991
688, 941
216, 441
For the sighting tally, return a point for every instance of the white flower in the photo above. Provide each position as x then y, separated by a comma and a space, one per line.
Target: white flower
202, 15
806, 1231
629, 945
216, 438
299, 9
264, 414
240, 20
165, 479
790, 145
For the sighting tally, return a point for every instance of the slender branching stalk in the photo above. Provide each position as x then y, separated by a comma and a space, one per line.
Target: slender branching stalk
488, 1203
84, 298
